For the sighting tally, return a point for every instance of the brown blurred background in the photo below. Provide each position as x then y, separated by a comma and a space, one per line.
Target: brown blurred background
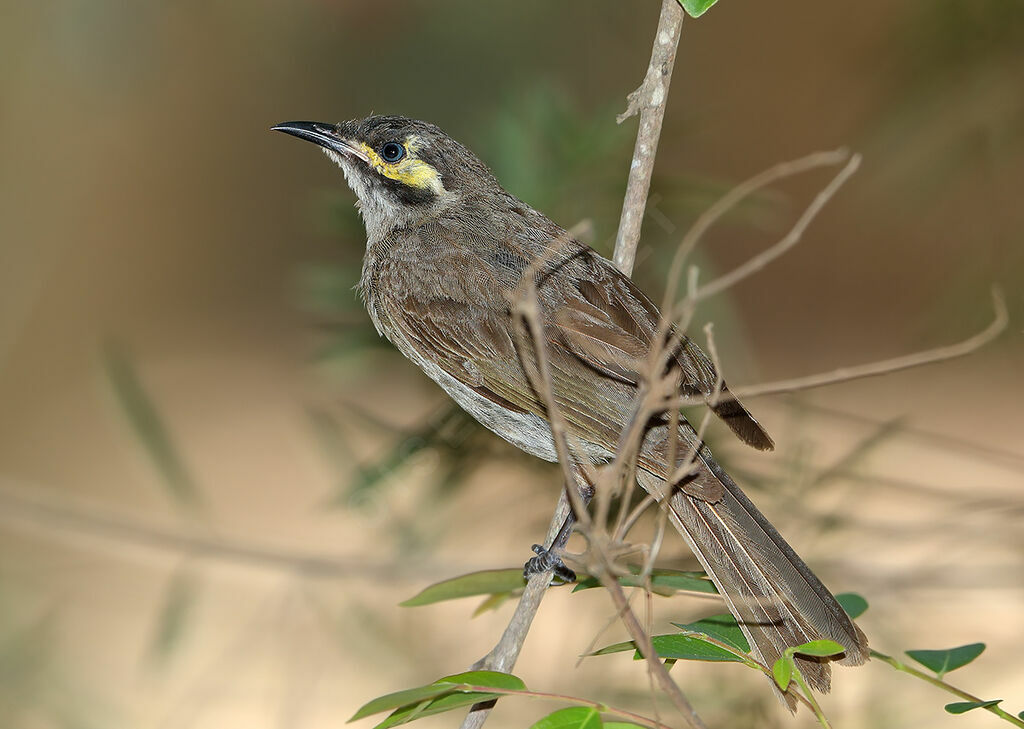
215, 485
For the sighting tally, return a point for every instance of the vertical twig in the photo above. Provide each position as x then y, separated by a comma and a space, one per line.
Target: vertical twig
649, 100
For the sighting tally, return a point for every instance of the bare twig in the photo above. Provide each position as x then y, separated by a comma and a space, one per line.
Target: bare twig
525, 314
758, 262
649, 100
735, 196
17, 506
884, 367
642, 640
504, 655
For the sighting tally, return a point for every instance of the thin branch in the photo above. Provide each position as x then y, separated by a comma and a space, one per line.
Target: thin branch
504, 655
884, 367
18, 507
761, 260
649, 100
525, 320
970, 345
642, 640
936, 681
739, 193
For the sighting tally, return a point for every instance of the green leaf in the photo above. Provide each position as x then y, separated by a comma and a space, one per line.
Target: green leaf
663, 581
448, 702
690, 648
149, 427
178, 606
575, 717
485, 582
962, 707
693, 647
722, 627
492, 602
402, 698
627, 645
459, 696
696, 8
782, 672
487, 679
672, 647
853, 604
434, 698
944, 661
819, 648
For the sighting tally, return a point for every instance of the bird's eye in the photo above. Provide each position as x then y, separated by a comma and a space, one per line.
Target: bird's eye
392, 152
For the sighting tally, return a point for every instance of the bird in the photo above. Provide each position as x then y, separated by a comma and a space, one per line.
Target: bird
447, 246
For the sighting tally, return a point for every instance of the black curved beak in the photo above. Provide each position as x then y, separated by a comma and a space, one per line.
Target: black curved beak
322, 134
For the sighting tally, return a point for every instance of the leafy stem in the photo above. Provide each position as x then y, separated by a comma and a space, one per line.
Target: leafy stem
949, 688
809, 695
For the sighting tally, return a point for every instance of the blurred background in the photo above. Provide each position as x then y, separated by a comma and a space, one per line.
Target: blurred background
216, 484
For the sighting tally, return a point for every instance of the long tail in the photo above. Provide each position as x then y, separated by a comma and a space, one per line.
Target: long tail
771, 592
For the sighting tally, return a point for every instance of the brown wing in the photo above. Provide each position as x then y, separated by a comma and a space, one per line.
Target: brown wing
597, 323
609, 324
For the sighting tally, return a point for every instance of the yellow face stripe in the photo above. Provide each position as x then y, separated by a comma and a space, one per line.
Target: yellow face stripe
410, 170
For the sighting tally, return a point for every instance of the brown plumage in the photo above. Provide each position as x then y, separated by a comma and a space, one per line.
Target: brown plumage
447, 246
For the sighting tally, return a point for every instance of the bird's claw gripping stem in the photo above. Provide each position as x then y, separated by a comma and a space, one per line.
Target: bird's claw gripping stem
545, 560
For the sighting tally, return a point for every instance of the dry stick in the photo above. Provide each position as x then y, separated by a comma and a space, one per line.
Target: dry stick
526, 310
649, 100
526, 314
38, 509
732, 198
873, 369
884, 367
642, 640
791, 239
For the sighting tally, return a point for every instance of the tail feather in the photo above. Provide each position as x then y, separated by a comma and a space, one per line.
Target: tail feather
776, 599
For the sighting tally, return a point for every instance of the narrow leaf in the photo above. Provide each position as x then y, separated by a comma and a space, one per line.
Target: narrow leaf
148, 426
448, 702
663, 581
782, 671
690, 648
424, 700
819, 648
575, 717
627, 645
962, 707
853, 604
696, 8
402, 698
178, 606
944, 661
492, 602
486, 582
488, 679
722, 627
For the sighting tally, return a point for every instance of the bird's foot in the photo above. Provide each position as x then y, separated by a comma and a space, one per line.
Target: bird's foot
547, 560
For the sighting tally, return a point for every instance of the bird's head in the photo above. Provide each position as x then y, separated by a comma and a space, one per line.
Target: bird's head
401, 170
